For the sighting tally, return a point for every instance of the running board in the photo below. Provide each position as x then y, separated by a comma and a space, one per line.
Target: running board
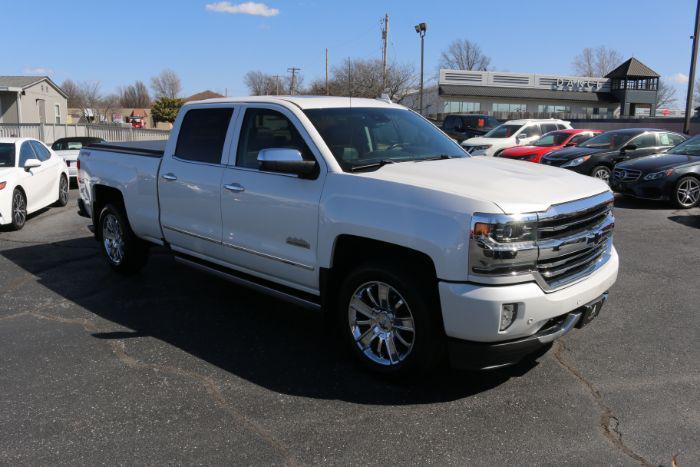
260, 285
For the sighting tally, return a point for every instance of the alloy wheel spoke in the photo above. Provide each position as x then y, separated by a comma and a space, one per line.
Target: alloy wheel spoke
362, 308
391, 349
383, 294
365, 340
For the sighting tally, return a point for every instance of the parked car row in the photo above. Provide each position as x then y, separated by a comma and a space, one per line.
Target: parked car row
646, 163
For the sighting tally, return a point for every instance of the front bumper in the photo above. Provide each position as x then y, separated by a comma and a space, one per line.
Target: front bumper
484, 356
644, 189
471, 312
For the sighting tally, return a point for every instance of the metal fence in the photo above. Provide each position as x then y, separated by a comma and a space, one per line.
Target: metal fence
49, 133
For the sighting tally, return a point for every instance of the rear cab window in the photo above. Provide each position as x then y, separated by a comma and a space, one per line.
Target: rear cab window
202, 135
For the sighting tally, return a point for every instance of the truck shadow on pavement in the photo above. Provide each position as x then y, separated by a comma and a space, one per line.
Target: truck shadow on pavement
251, 336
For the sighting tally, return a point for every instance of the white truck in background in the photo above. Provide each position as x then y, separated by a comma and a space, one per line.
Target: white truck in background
365, 210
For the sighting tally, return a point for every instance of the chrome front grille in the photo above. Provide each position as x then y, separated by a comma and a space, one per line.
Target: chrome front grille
626, 175
573, 240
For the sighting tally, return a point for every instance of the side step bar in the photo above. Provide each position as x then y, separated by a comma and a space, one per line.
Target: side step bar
287, 294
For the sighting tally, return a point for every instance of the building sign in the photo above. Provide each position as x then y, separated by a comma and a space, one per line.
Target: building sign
579, 84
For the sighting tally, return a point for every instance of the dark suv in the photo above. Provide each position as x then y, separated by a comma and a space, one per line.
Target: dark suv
465, 126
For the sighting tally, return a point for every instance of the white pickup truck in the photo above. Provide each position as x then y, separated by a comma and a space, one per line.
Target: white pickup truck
363, 210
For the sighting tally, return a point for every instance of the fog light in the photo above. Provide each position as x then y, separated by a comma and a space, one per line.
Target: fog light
508, 314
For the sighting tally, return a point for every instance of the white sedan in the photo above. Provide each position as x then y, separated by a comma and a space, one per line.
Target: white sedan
32, 177
69, 148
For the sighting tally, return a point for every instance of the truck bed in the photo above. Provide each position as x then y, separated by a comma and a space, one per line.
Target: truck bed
154, 148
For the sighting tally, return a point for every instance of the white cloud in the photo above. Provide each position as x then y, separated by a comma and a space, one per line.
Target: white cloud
246, 8
679, 78
38, 70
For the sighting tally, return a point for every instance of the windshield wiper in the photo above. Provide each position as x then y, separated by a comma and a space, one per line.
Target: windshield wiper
378, 164
435, 158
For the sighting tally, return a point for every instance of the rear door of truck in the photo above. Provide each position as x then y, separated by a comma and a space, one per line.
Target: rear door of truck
189, 181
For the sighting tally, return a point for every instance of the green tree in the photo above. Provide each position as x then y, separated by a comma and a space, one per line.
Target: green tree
165, 109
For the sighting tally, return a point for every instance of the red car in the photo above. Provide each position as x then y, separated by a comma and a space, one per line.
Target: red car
547, 143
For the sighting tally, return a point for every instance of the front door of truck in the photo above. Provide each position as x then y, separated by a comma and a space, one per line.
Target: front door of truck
189, 181
270, 220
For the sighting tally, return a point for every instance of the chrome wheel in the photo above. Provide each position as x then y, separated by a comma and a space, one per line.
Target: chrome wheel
602, 173
381, 323
63, 191
19, 209
112, 238
688, 192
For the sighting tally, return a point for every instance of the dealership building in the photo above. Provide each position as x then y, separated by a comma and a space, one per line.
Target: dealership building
628, 90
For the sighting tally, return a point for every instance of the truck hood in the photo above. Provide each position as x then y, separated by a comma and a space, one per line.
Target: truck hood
515, 187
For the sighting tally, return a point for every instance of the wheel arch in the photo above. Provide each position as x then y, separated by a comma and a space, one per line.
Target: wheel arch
103, 195
351, 250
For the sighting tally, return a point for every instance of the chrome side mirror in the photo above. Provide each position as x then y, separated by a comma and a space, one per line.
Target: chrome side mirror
286, 160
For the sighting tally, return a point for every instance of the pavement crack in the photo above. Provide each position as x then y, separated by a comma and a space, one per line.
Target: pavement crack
609, 422
211, 387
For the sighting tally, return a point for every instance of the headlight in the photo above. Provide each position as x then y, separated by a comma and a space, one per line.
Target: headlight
577, 161
502, 244
658, 175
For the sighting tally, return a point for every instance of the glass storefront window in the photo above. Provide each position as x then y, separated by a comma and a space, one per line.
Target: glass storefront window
503, 107
453, 107
564, 109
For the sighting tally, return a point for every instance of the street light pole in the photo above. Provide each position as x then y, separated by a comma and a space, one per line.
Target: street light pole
420, 29
691, 76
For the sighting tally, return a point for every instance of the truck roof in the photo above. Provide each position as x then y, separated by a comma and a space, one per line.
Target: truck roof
306, 102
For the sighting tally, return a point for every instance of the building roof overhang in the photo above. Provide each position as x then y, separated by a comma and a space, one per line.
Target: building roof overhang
525, 93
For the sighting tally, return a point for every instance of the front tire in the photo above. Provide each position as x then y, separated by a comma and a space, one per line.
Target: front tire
19, 209
124, 251
687, 192
602, 172
386, 314
62, 191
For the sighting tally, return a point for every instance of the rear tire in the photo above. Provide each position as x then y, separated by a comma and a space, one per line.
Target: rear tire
387, 316
19, 209
602, 172
686, 193
123, 250
63, 187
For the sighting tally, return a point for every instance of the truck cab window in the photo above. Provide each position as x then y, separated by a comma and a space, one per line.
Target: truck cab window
202, 135
267, 129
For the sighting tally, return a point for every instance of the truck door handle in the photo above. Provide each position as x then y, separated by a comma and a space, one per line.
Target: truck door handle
235, 187
169, 176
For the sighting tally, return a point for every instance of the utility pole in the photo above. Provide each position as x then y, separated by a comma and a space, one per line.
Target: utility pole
328, 91
420, 29
691, 76
293, 71
385, 40
277, 84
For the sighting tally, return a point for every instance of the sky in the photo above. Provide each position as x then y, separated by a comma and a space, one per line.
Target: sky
212, 44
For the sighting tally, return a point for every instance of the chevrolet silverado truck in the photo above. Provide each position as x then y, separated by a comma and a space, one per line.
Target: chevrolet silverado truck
367, 212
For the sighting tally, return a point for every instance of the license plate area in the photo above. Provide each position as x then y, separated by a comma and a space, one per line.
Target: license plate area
591, 310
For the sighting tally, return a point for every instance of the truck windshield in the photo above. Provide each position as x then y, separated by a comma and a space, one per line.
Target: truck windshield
363, 136
7, 155
503, 131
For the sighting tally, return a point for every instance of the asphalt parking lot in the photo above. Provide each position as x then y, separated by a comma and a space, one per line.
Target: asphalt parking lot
174, 366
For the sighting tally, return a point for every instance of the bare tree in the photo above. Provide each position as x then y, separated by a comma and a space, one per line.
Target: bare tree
596, 62
463, 54
90, 100
71, 88
166, 84
135, 95
365, 78
665, 95
261, 84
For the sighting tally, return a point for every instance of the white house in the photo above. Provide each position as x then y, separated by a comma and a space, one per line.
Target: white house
32, 99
